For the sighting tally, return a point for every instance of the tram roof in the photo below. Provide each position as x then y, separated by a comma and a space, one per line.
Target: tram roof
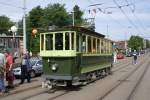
82, 29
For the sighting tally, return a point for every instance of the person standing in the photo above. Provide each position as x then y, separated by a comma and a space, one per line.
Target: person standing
134, 57
2, 70
15, 56
25, 68
9, 72
115, 56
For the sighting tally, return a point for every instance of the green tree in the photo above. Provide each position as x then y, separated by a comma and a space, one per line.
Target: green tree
78, 15
35, 15
55, 14
147, 44
5, 24
135, 43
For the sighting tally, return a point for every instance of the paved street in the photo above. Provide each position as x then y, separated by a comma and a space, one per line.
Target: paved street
118, 86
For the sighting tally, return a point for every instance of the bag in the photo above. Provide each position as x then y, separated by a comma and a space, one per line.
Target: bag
1, 70
29, 67
10, 76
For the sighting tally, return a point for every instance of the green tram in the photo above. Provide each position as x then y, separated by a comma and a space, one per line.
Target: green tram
74, 55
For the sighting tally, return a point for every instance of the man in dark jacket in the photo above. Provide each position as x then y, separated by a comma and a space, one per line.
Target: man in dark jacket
25, 68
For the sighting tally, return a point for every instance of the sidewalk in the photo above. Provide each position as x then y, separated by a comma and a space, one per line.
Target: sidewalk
35, 82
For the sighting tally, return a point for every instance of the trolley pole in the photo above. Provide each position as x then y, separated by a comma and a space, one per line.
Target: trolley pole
73, 17
24, 26
107, 32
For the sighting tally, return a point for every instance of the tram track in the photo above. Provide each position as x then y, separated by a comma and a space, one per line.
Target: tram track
122, 67
60, 91
138, 82
68, 92
117, 68
19, 91
116, 85
64, 92
39, 86
44, 92
122, 61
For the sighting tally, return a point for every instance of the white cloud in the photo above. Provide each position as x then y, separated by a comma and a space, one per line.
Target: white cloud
117, 22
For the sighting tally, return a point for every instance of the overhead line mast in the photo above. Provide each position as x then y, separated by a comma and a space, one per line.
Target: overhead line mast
24, 26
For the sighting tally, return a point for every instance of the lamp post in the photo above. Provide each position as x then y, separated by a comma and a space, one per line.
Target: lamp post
24, 26
14, 30
72, 18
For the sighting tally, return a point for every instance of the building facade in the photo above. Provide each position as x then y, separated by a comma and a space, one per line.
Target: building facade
12, 43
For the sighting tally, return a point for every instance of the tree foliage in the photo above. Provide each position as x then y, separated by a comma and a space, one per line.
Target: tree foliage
147, 44
135, 43
55, 14
78, 15
35, 15
5, 24
44, 18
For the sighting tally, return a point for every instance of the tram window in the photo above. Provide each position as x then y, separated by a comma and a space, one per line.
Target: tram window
94, 45
83, 43
98, 45
59, 41
72, 38
42, 42
77, 42
89, 44
67, 41
102, 47
49, 42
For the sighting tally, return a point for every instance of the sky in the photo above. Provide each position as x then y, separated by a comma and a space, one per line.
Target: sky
132, 19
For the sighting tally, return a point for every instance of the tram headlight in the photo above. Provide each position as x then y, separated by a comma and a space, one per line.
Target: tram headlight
54, 67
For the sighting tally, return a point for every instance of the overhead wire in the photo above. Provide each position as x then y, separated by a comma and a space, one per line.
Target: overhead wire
10, 5
116, 21
129, 20
137, 19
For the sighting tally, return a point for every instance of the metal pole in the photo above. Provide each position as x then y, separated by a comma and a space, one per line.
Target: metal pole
24, 26
107, 31
73, 18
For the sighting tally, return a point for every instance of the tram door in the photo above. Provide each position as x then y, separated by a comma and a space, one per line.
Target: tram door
79, 51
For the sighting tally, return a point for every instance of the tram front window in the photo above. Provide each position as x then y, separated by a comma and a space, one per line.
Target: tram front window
49, 42
42, 42
59, 41
67, 41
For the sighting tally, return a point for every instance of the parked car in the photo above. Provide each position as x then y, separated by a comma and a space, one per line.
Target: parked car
129, 54
120, 56
37, 68
142, 52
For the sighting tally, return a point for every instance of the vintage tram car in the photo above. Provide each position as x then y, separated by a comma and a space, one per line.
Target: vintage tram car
75, 54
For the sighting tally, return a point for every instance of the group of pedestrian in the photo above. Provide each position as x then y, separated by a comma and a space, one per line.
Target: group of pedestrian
6, 70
